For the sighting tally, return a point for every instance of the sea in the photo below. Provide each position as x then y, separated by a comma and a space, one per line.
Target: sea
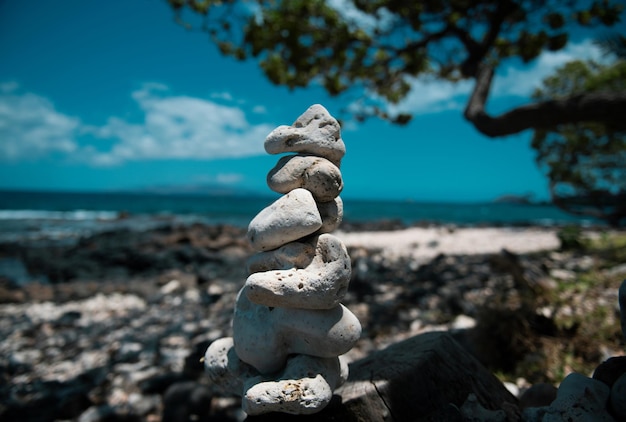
68, 216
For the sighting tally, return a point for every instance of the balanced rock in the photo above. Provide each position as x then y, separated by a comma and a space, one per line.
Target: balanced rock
289, 326
331, 213
289, 218
305, 386
314, 132
315, 174
265, 336
320, 284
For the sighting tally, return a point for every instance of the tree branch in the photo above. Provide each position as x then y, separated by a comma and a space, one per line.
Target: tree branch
603, 107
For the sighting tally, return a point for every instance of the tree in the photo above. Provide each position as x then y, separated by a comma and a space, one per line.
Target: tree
585, 161
376, 47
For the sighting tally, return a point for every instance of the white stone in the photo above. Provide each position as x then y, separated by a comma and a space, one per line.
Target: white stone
579, 398
331, 213
282, 280
314, 132
225, 368
315, 174
289, 218
265, 336
304, 387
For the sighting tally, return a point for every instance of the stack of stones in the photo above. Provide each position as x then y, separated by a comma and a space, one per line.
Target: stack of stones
289, 327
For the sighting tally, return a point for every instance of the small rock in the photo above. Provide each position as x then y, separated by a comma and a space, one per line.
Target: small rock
315, 174
289, 218
538, 395
610, 370
617, 401
264, 337
579, 399
331, 213
314, 132
187, 401
473, 411
321, 284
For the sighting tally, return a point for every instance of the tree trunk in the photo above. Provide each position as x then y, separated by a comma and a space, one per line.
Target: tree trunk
602, 107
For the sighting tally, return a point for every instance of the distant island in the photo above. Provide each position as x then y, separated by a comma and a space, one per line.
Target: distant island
524, 199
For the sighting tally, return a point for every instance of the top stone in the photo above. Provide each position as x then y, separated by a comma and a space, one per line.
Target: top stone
314, 132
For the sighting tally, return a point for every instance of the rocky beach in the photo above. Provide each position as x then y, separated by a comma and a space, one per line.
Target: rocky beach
114, 325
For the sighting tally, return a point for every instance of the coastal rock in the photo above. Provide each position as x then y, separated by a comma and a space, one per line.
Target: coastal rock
289, 218
304, 387
473, 411
264, 336
187, 401
314, 132
331, 213
578, 399
538, 395
610, 370
224, 367
321, 284
617, 403
315, 174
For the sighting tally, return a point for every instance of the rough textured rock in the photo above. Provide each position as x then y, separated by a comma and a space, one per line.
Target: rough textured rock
320, 284
315, 174
289, 324
304, 387
578, 399
290, 217
314, 132
411, 381
331, 213
265, 336
617, 401
538, 395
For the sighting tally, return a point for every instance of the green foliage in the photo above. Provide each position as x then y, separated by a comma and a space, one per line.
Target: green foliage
571, 238
378, 46
586, 161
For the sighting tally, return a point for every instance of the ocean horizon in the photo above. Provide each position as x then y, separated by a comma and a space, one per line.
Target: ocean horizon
58, 215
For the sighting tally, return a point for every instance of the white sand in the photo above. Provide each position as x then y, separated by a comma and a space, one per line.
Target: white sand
429, 242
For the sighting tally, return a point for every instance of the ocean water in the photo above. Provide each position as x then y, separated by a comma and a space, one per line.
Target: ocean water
67, 216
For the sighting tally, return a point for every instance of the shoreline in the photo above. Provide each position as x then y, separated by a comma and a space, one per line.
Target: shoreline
418, 242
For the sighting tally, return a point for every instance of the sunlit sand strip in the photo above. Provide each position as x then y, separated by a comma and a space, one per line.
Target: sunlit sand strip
429, 242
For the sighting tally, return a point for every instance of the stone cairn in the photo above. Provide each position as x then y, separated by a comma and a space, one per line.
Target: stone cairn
289, 327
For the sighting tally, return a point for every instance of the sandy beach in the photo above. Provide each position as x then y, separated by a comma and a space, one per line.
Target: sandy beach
423, 243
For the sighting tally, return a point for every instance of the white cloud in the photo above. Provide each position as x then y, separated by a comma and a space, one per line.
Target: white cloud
31, 128
429, 95
173, 127
522, 80
351, 14
181, 127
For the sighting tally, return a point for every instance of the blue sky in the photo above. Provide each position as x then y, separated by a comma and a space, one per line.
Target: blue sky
116, 95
